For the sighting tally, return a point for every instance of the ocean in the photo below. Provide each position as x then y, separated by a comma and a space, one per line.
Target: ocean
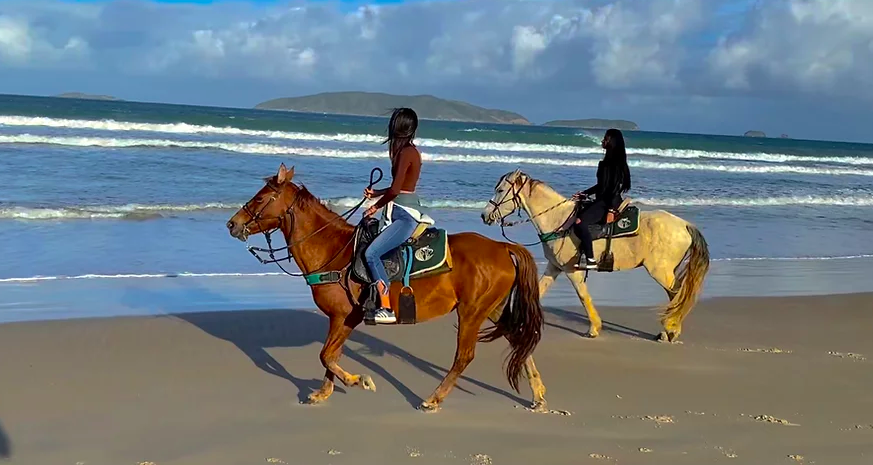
114, 208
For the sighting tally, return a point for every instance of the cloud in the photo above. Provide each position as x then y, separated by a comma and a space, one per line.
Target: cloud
28, 45
546, 56
821, 47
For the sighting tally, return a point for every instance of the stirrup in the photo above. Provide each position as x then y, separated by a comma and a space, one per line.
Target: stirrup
585, 263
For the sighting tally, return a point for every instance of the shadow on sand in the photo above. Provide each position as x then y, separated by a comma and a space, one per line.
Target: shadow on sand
581, 318
253, 331
5, 445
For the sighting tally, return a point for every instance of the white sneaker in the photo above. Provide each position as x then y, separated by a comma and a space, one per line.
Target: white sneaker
385, 317
586, 264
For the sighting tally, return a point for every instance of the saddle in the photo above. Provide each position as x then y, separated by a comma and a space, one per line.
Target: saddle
625, 223
424, 254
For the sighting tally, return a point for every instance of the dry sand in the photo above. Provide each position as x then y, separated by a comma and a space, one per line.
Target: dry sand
756, 381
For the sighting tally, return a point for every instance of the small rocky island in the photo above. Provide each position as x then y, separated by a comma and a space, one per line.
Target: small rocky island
755, 134
80, 95
595, 123
380, 104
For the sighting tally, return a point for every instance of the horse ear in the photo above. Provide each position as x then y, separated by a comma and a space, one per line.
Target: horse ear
284, 175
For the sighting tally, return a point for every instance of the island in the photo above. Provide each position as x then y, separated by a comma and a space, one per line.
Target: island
381, 104
755, 134
80, 95
595, 123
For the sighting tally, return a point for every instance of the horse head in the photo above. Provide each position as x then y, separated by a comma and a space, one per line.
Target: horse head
505, 200
267, 209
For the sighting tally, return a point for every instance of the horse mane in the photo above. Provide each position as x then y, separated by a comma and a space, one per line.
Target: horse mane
305, 200
533, 183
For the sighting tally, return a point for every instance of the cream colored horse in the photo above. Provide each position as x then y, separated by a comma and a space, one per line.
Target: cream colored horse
671, 249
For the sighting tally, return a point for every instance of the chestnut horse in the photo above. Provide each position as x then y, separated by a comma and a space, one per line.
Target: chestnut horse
489, 279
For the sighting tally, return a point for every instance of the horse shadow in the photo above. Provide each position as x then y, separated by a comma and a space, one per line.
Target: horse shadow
254, 331
575, 317
5, 444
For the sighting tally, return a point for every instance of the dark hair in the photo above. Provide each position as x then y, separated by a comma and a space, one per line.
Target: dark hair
615, 160
401, 130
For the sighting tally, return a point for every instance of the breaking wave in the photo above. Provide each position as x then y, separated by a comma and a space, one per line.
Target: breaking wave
40, 278
130, 211
145, 212
271, 149
590, 145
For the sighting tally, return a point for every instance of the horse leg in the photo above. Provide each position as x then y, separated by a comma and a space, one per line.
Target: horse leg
577, 278
667, 280
468, 326
548, 278
536, 385
340, 329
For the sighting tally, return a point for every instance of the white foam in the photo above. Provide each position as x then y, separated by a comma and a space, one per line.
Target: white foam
104, 211
348, 202
270, 149
841, 201
792, 259
40, 278
755, 157
194, 129
185, 128
136, 276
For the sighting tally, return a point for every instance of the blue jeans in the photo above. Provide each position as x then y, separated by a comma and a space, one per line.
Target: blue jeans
401, 228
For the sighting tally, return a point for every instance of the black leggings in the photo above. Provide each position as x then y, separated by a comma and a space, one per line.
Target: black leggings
591, 213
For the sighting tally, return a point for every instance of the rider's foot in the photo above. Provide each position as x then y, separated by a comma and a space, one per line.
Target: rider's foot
587, 264
385, 316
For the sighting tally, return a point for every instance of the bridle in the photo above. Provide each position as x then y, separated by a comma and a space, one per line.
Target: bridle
289, 214
513, 195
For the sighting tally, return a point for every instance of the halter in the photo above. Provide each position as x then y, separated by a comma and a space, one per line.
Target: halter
517, 206
289, 213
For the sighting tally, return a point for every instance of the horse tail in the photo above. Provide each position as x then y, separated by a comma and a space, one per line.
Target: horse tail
522, 319
689, 279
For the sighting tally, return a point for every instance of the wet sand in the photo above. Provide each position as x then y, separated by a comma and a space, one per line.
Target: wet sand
755, 381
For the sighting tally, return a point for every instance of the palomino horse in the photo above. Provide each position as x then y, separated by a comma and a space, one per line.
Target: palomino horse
489, 279
671, 249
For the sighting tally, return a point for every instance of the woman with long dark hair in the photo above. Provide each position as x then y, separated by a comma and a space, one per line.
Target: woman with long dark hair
613, 179
403, 210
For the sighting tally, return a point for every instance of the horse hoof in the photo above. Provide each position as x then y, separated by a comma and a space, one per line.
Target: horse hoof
668, 337
315, 398
539, 407
428, 407
591, 335
367, 383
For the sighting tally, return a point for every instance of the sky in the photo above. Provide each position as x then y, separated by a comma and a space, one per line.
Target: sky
800, 67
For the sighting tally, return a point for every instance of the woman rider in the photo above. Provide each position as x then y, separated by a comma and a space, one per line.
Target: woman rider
403, 207
613, 179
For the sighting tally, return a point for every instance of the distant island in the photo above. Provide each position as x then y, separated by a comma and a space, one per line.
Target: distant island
379, 104
80, 95
594, 123
755, 134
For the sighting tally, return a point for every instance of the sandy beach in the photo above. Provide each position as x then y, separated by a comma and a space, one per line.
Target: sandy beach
756, 380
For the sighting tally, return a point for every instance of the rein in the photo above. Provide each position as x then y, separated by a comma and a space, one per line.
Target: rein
518, 207
289, 213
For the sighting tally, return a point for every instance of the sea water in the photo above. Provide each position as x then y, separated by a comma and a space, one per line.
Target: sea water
120, 208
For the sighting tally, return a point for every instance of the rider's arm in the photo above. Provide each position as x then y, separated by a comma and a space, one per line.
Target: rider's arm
593, 189
404, 160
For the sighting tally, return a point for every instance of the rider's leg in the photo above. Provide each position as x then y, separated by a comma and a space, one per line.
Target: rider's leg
401, 228
592, 214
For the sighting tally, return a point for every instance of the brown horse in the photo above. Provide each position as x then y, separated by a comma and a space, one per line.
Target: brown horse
489, 279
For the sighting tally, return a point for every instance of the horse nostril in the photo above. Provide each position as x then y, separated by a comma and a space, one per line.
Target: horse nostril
230, 225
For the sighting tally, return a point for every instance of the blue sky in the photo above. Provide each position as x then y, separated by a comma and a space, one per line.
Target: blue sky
801, 67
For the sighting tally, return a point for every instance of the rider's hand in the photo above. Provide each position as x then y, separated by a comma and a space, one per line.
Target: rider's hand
370, 211
368, 193
579, 195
